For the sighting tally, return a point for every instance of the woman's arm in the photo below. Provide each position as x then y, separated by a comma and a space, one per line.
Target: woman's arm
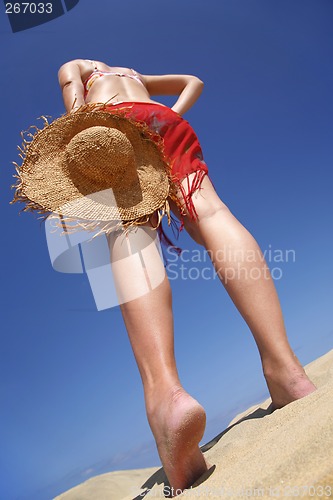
71, 85
187, 87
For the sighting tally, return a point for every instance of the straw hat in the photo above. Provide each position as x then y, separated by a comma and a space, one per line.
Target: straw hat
96, 168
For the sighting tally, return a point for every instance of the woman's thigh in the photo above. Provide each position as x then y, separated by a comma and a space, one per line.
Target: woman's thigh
136, 261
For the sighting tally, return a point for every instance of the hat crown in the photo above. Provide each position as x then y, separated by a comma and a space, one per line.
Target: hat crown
104, 155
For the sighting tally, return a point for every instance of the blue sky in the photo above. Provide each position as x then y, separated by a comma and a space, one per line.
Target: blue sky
71, 397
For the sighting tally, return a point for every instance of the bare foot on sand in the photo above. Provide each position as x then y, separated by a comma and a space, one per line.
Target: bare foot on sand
287, 383
178, 423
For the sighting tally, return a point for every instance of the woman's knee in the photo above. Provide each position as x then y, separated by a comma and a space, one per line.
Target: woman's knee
204, 201
207, 208
193, 230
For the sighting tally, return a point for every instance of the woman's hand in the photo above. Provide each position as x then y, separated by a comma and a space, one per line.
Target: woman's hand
187, 87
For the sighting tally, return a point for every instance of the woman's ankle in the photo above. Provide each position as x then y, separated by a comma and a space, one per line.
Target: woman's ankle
165, 390
287, 381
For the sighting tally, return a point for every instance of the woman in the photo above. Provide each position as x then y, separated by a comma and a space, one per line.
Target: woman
176, 419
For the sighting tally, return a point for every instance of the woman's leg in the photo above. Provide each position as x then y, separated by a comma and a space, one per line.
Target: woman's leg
176, 419
243, 271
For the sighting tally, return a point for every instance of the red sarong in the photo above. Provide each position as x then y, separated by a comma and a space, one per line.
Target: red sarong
181, 146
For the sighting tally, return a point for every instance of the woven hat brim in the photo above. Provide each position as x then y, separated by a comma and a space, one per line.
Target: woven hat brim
43, 183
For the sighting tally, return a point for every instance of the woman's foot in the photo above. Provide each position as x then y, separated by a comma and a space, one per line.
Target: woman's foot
178, 422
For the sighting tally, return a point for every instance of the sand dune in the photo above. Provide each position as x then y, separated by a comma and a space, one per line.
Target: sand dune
110, 486
287, 453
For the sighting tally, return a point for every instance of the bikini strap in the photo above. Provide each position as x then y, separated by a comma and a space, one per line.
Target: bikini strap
137, 76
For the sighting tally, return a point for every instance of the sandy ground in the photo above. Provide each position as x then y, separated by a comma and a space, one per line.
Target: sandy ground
284, 454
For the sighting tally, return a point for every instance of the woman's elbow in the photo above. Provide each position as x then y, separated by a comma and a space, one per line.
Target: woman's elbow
199, 83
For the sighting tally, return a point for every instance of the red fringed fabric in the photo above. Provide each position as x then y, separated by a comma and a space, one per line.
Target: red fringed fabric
181, 148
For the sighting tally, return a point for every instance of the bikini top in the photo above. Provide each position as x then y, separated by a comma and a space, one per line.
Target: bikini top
98, 74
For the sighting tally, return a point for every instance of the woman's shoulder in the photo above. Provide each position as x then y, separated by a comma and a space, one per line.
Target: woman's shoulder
81, 63
76, 68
